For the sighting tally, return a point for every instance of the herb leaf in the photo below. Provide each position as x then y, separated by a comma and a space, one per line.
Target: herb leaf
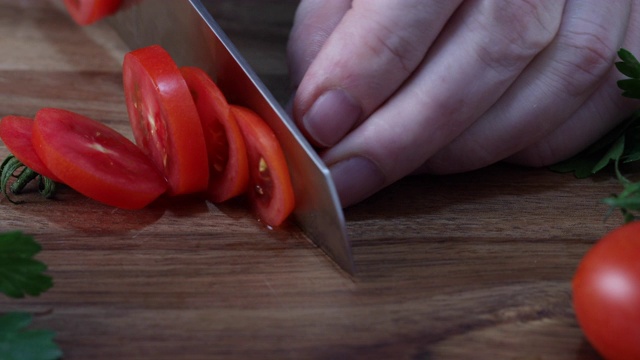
20, 273
620, 143
19, 343
629, 66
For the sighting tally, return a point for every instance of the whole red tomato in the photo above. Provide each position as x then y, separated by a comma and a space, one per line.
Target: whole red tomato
606, 293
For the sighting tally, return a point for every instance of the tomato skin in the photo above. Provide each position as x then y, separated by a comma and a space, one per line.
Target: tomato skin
606, 293
95, 160
86, 12
226, 150
16, 132
164, 119
270, 189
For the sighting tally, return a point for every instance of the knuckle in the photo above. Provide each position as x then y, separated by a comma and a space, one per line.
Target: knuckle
587, 58
517, 31
400, 47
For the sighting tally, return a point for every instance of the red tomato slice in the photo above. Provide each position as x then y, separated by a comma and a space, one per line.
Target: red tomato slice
270, 187
95, 160
165, 120
15, 132
606, 293
226, 151
85, 12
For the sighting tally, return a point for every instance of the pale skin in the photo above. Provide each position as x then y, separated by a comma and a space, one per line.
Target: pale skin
388, 88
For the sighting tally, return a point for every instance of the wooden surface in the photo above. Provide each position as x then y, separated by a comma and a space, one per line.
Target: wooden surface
473, 266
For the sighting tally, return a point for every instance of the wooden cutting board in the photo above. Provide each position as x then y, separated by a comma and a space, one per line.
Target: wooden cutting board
472, 266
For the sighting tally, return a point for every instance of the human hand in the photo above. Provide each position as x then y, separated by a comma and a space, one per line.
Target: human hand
389, 88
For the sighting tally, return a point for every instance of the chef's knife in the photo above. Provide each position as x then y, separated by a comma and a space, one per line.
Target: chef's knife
189, 33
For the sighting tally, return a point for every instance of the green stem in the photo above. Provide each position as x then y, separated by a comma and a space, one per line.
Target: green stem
22, 179
10, 168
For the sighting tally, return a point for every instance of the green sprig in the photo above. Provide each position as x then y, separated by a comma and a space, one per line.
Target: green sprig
620, 146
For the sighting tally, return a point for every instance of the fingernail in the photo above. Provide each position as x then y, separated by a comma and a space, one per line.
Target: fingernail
355, 179
331, 117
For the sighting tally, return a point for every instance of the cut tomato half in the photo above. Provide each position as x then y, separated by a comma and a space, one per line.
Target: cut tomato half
270, 187
164, 119
95, 160
85, 12
226, 150
15, 132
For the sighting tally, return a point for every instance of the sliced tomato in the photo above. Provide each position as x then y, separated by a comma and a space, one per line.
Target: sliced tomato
270, 187
85, 12
164, 119
95, 160
226, 150
15, 132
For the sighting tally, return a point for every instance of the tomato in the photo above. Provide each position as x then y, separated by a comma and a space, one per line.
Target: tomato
95, 160
15, 132
164, 119
226, 150
85, 12
606, 293
270, 188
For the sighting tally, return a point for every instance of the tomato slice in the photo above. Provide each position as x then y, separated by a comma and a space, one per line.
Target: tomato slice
15, 132
165, 120
95, 160
270, 187
226, 150
85, 12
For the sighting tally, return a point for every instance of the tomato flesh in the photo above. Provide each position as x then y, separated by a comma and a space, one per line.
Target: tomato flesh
270, 188
606, 293
95, 160
164, 119
15, 132
85, 12
226, 150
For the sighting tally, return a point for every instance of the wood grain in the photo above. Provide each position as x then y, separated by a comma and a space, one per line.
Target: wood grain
458, 267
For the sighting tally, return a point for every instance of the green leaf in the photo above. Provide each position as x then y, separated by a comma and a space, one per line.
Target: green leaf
20, 273
606, 150
630, 88
19, 343
629, 66
594, 159
581, 166
613, 154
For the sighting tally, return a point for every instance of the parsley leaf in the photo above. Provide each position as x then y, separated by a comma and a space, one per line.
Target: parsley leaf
19, 343
621, 143
630, 67
20, 273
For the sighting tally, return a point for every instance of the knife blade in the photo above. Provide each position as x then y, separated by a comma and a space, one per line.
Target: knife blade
186, 29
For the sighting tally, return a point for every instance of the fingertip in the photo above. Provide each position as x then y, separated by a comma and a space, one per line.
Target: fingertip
331, 117
356, 178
